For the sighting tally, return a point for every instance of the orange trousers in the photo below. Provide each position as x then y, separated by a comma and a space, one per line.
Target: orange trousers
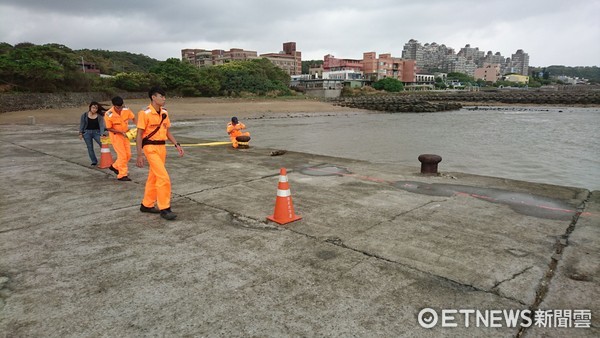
158, 184
234, 142
122, 147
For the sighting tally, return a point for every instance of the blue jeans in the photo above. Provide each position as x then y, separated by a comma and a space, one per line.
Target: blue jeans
89, 136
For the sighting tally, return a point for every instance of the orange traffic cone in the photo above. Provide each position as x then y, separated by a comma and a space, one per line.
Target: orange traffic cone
106, 159
284, 210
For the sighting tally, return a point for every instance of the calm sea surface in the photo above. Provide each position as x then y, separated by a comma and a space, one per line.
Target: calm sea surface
548, 145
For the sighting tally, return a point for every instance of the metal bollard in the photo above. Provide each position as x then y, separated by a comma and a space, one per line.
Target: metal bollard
31, 120
429, 163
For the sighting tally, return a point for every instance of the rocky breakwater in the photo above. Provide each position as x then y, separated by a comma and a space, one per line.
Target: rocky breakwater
396, 103
563, 97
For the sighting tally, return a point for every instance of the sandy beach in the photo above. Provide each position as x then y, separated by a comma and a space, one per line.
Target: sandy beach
187, 109
184, 109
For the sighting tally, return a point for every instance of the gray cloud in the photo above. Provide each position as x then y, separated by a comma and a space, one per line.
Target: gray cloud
552, 32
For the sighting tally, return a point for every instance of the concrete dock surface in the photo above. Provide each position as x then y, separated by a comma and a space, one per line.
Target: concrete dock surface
381, 250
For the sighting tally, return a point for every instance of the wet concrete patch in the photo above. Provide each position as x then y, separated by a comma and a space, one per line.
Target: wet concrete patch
523, 203
324, 169
326, 254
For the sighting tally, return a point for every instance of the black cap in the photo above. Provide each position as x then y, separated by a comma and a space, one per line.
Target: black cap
234, 120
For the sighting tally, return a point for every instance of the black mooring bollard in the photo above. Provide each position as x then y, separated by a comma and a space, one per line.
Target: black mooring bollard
429, 163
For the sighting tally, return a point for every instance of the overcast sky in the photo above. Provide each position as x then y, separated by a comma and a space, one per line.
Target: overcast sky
552, 32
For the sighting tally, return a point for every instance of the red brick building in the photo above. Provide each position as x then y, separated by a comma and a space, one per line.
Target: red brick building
289, 59
331, 64
387, 66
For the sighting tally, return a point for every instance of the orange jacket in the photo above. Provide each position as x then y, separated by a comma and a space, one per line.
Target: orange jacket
149, 119
235, 130
118, 121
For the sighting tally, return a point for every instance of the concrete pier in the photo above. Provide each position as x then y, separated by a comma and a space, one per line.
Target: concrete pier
373, 249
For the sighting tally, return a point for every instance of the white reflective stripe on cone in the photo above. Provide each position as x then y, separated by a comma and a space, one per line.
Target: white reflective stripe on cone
283, 193
283, 178
105, 150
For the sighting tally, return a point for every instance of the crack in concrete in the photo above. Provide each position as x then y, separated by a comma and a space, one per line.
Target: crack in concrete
561, 243
57, 157
512, 277
393, 218
339, 242
246, 221
226, 185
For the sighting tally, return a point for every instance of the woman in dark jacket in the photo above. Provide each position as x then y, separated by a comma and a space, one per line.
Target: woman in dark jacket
91, 127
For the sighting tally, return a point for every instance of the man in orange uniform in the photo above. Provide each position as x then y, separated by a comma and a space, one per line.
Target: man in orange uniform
153, 130
116, 119
234, 129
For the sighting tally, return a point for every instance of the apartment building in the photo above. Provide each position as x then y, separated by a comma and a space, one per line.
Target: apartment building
520, 63
433, 57
290, 60
286, 62
331, 64
204, 58
458, 64
472, 54
413, 50
427, 56
494, 58
490, 72
375, 68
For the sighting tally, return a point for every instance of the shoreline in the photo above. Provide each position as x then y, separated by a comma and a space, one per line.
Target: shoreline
187, 109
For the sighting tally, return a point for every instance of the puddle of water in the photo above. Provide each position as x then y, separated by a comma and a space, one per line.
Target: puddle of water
523, 203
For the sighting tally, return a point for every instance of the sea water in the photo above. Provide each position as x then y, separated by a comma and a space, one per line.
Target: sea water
537, 144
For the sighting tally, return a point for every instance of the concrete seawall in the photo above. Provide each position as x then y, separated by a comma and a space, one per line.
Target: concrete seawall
377, 244
29, 101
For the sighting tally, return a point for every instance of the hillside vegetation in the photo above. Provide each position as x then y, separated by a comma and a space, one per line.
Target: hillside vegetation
27, 67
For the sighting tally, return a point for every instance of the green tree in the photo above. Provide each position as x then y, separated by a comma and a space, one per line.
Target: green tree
462, 78
439, 83
590, 73
33, 68
389, 84
257, 76
111, 63
135, 81
210, 81
176, 75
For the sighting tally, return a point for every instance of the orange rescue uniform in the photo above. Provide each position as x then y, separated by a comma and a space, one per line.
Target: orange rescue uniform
235, 131
120, 142
158, 185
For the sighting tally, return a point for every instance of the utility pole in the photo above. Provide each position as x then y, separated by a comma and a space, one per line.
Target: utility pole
82, 65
